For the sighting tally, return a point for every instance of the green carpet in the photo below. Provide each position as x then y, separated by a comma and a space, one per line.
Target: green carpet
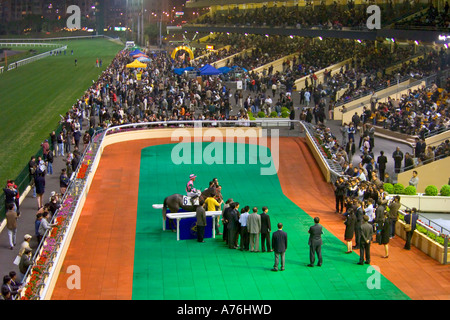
165, 268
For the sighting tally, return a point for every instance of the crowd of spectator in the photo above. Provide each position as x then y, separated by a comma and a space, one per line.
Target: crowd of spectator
203, 57
118, 98
334, 16
417, 112
432, 18
372, 75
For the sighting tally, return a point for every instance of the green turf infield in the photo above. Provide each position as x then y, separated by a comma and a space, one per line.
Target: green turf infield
33, 97
165, 268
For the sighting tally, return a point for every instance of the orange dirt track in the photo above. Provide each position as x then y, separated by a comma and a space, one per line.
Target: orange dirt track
103, 243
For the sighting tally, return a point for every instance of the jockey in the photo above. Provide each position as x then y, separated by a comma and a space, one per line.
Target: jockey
190, 190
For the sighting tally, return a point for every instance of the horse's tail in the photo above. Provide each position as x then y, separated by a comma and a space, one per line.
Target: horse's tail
164, 209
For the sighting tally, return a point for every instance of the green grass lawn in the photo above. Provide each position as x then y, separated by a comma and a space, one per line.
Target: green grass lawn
33, 96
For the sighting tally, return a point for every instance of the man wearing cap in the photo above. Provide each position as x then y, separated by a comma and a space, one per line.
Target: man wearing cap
190, 190
25, 244
10, 195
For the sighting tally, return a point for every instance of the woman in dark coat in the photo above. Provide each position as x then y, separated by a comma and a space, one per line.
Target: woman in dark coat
385, 234
349, 228
309, 116
39, 181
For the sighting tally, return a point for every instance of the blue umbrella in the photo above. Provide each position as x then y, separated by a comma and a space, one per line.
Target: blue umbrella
224, 70
144, 59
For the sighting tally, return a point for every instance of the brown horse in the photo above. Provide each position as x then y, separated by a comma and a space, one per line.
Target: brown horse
176, 201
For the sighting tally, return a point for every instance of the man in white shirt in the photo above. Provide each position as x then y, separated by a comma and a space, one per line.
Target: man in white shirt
362, 175
244, 232
368, 211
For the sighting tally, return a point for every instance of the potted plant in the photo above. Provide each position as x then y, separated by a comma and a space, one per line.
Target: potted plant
445, 190
431, 191
410, 191
389, 188
399, 188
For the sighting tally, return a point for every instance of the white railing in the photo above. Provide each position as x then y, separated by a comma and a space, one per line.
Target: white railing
26, 44
23, 62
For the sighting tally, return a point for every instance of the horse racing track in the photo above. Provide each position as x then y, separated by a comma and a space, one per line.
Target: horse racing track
123, 253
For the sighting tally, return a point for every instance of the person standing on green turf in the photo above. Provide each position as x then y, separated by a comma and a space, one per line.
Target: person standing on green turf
279, 245
254, 229
315, 243
365, 241
201, 221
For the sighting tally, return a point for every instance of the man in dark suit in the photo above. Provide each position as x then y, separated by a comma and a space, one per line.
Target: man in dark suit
279, 245
359, 213
315, 243
201, 221
381, 162
292, 117
419, 148
265, 230
394, 206
398, 157
225, 218
233, 225
365, 241
410, 218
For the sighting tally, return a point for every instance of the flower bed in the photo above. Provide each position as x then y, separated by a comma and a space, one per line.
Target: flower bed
37, 274
44, 260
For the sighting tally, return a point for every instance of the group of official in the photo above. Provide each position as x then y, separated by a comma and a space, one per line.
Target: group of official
249, 228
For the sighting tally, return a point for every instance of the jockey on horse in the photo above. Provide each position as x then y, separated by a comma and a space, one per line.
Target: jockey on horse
190, 190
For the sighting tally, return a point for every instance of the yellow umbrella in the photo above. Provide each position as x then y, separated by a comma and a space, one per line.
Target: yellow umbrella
136, 64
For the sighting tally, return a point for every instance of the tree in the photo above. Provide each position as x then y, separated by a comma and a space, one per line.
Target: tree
152, 32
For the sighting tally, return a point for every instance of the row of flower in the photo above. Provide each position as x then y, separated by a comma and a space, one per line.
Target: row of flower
36, 276
43, 261
324, 148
